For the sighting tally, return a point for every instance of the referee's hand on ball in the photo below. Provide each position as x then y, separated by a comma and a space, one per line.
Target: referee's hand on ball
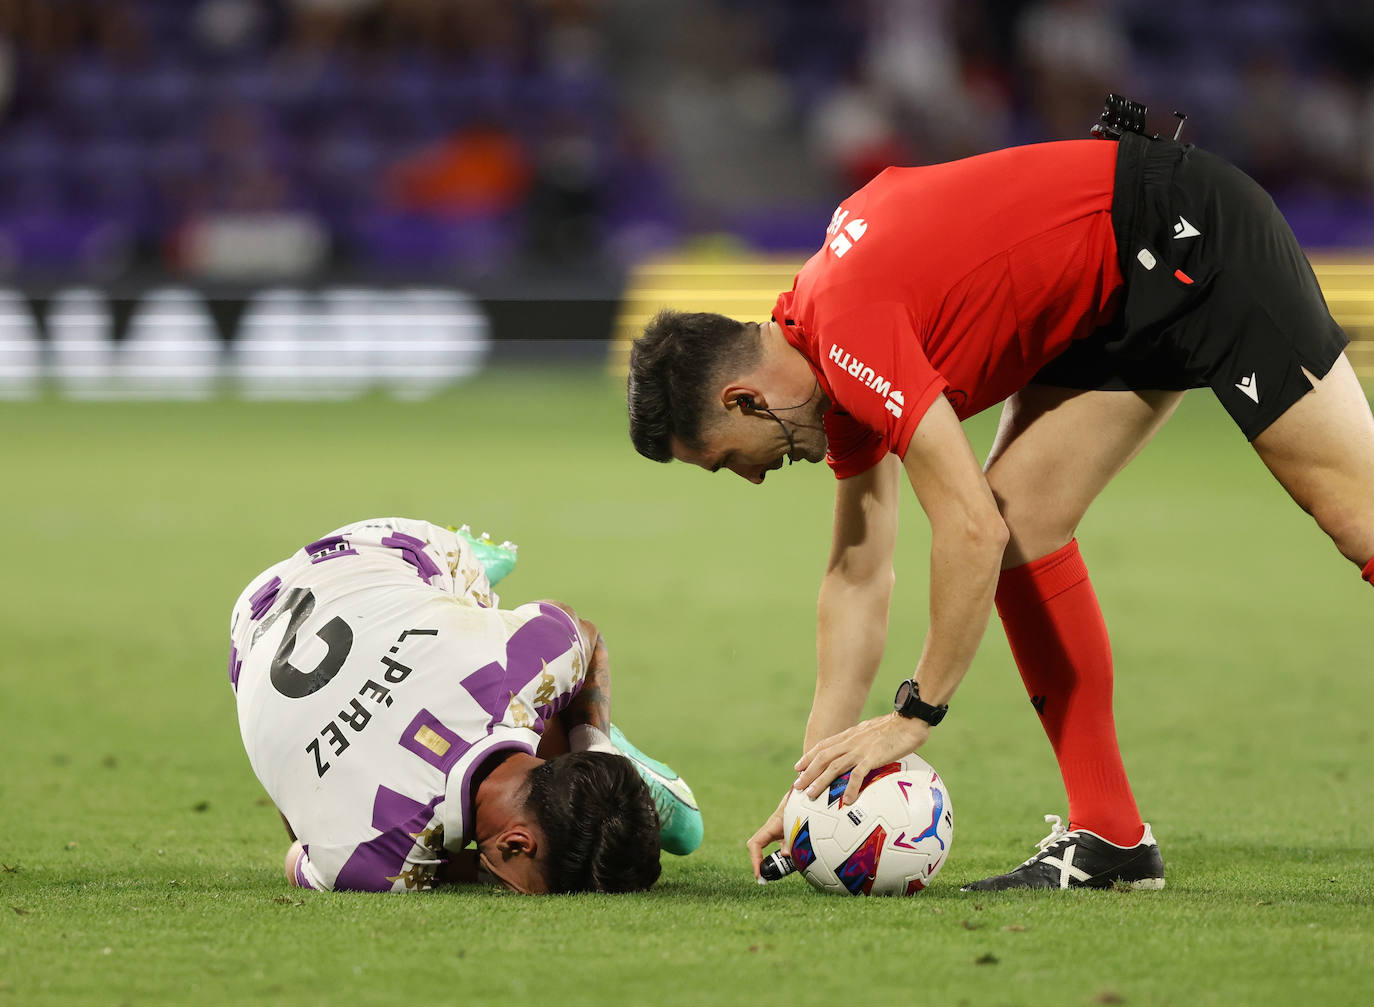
766, 836
861, 749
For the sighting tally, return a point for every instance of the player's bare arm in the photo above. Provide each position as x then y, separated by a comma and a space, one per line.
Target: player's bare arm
968, 536
592, 707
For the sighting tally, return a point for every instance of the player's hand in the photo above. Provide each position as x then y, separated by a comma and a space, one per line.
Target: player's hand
770, 833
862, 749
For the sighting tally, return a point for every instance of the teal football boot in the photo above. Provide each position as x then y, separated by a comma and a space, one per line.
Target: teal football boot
679, 819
496, 560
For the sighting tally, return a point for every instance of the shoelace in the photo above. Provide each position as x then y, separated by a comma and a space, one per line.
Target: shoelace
1057, 832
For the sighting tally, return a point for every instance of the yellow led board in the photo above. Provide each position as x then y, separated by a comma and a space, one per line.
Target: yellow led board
745, 287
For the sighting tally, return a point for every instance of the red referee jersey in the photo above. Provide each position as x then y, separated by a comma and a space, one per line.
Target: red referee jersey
964, 278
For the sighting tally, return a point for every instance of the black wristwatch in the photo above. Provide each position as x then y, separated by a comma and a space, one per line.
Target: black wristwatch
908, 703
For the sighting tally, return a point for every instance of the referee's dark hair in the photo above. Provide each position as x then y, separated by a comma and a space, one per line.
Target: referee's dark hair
599, 823
675, 367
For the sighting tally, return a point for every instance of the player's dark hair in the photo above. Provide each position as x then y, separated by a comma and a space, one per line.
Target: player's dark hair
599, 822
675, 368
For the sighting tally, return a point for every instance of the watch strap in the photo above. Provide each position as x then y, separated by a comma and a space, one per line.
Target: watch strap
908, 703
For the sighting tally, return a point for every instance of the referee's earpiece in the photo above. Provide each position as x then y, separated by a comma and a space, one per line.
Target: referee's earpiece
746, 403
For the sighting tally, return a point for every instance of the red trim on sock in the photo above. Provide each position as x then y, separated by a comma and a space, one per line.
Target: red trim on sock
1368, 571
1059, 639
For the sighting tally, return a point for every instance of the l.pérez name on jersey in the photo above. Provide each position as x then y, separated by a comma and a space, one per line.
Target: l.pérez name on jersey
868, 377
358, 716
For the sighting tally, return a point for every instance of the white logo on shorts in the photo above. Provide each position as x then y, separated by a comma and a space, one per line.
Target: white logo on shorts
1183, 229
1250, 387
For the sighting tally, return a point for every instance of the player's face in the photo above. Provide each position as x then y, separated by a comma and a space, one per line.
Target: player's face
520, 873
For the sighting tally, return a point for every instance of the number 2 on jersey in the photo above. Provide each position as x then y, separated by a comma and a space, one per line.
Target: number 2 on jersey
290, 681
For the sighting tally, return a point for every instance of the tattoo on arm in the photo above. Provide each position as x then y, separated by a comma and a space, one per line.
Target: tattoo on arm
593, 704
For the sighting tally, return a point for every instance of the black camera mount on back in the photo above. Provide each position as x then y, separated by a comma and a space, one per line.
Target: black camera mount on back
1120, 115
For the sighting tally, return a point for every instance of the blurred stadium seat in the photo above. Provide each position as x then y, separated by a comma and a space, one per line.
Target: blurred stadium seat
338, 94
521, 150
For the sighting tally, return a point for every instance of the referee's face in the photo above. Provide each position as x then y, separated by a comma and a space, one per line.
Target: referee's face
748, 444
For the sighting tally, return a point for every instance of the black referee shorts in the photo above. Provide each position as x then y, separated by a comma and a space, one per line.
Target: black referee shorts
1217, 291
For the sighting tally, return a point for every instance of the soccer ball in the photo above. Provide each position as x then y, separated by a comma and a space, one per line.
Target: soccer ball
892, 841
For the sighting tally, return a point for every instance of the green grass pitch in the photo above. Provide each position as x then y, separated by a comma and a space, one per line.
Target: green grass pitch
141, 860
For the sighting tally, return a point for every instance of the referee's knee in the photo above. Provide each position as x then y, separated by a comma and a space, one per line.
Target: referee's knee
1030, 540
1350, 526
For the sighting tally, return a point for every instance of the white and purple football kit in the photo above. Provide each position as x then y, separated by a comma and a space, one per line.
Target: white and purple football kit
374, 674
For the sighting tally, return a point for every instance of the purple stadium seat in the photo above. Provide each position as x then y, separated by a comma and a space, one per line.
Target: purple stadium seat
32, 150
782, 228
585, 93
86, 94
1321, 220
391, 241
240, 85
487, 92
54, 240
111, 178
165, 99
168, 23
340, 169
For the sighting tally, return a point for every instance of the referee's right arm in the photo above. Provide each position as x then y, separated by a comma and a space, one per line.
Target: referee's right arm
855, 594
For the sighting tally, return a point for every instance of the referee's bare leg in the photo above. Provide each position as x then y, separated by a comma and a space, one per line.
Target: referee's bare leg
1322, 451
1056, 449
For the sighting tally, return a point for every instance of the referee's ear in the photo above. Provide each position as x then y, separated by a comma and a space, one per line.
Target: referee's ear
747, 397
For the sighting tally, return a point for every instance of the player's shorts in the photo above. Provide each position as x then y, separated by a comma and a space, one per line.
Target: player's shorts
1217, 293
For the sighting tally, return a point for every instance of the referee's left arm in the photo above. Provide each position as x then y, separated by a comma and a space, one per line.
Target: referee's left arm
968, 537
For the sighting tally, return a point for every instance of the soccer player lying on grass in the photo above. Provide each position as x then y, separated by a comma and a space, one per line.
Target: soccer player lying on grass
396, 714
1086, 283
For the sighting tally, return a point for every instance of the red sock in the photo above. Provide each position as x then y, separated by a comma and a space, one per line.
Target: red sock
1369, 571
1059, 640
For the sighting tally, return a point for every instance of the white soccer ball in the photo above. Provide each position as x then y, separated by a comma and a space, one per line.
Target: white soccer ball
892, 841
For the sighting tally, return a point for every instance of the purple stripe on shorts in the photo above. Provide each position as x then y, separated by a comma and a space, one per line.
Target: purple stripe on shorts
413, 550
234, 665
329, 548
373, 862
453, 746
301, 880
262, 599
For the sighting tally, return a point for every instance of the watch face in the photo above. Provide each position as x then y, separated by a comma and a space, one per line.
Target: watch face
908, 703
903, 694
